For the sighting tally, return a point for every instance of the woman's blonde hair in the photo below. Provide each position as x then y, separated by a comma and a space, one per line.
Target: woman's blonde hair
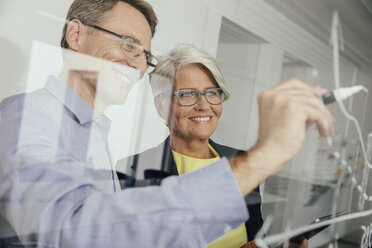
170, 65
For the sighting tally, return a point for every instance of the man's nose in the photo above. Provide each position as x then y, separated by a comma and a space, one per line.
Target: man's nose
138, 63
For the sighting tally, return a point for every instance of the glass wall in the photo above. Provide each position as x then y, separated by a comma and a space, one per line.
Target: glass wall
111, 133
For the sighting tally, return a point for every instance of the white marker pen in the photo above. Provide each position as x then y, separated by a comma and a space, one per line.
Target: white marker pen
341, 94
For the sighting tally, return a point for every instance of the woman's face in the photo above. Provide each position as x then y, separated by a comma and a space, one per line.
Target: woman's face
200, 120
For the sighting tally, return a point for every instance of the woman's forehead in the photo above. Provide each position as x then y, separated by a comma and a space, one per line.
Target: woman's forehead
195, 76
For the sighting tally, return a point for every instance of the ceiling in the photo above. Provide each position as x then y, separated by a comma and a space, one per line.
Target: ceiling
315, 16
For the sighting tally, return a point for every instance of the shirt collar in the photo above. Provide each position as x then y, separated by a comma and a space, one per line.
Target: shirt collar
71, 100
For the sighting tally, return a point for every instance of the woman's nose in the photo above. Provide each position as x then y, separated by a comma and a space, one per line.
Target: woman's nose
203, 103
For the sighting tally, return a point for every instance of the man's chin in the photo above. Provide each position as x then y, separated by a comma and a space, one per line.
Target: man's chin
120, 101
114, 100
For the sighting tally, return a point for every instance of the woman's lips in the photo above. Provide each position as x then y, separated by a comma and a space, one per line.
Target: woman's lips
201, 119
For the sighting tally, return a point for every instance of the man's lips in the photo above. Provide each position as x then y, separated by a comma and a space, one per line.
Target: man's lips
127, 76
124, 78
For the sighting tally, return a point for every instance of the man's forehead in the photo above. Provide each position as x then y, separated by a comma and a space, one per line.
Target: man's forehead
127, 20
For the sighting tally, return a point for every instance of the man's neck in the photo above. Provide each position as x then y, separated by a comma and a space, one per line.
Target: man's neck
84, 84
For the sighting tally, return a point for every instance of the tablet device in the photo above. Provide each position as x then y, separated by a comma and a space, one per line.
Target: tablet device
295, 241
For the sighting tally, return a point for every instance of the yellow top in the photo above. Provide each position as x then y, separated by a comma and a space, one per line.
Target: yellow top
235, 238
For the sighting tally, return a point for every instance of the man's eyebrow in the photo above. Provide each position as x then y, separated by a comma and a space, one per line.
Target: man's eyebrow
136, 41
130, 36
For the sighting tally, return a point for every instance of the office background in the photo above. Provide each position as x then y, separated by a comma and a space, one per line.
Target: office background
257, 43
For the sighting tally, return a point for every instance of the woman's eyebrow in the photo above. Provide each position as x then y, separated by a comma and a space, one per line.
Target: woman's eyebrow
215, 87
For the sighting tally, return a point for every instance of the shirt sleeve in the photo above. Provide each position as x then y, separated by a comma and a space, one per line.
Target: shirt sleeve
52, 200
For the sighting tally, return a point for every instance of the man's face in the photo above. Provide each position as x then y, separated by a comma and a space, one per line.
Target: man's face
112, 84
124, 20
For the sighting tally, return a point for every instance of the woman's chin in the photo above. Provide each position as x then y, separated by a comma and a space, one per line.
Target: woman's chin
201, 136
193, 135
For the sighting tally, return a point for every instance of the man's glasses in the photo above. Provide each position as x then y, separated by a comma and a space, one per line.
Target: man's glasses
131, 47
190, 97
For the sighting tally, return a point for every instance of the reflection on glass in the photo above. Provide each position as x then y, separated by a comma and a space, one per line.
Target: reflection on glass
91, 116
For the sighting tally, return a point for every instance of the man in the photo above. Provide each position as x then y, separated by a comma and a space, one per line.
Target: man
54, 183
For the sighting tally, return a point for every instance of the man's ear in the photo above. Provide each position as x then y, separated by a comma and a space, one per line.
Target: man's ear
74, 34
162, 107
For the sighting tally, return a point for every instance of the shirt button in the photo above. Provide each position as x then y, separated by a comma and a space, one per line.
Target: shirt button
227, 229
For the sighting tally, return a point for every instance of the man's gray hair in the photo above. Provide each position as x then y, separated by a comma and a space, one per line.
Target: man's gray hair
95, 11
170, 65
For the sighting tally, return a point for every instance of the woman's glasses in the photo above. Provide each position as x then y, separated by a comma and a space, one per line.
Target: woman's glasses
190, 97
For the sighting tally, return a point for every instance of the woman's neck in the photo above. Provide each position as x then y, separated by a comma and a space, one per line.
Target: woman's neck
193, 148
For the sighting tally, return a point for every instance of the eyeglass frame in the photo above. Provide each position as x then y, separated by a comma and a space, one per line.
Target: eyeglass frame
122, 37
200, 93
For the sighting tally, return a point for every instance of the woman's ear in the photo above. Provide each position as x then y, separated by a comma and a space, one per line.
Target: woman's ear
74, 34
162, 107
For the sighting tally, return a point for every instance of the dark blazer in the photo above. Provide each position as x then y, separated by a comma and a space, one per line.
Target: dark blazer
161, 158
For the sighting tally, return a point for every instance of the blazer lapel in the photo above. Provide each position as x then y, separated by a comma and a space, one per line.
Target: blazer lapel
168, 162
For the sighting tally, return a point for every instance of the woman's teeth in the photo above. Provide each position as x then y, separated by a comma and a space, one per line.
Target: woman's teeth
200, 119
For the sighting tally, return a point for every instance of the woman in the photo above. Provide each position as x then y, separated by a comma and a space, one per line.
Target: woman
188, 92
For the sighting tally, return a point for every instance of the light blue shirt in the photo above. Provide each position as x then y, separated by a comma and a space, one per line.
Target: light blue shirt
57, 183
